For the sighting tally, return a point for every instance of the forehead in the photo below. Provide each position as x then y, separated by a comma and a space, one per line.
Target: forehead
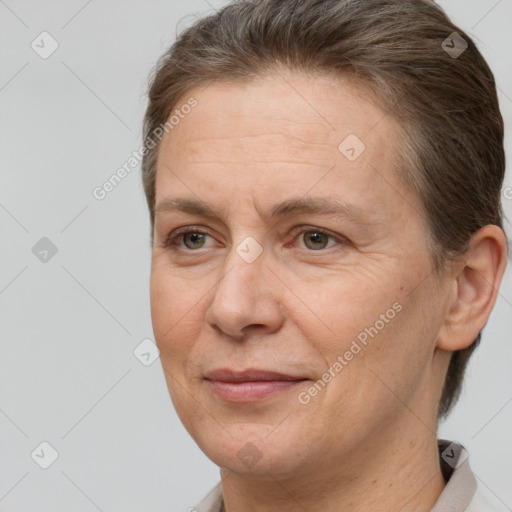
321, 107
284, 133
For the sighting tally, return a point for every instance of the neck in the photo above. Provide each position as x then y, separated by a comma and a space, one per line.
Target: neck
399, 471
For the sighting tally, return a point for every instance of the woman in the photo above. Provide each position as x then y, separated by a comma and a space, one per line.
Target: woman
323, 180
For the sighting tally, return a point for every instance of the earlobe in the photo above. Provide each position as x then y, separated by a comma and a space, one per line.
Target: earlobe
476, 280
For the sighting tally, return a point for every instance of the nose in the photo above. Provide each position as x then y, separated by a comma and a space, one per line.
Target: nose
245, 299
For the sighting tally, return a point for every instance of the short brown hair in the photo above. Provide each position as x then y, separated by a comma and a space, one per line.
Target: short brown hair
452, 154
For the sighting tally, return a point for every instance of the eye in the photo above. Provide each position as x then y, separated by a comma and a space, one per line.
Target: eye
191, 238
317, 239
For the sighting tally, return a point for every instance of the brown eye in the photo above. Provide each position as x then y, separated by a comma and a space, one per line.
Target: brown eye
315, 240
186, 240
196, 239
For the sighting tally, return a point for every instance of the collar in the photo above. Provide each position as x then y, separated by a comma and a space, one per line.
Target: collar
460, 482
456, 496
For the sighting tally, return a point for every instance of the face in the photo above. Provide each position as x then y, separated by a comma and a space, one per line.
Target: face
284, 242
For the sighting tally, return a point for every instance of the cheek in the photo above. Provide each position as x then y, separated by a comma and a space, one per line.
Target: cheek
175, 313
376, 329
394, 363
337, 308
177, 319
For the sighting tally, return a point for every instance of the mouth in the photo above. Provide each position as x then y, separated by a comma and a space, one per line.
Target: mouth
250, 385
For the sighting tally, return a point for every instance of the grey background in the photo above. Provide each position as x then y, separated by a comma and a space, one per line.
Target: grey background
68, 375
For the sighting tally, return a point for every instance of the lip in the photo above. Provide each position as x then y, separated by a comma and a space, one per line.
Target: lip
250, 385
249, 375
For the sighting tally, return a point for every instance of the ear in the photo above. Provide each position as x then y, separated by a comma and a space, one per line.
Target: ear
475, 282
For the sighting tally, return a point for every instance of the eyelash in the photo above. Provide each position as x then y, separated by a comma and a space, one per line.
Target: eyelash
170, 243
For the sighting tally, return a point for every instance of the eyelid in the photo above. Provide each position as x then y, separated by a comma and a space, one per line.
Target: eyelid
304, 228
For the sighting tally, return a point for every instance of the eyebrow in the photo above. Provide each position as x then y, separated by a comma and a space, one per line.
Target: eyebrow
294, 206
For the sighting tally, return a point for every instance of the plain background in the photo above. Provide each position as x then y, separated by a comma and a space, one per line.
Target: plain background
68, 375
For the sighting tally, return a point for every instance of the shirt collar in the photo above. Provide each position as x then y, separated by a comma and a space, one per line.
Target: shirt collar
461, 483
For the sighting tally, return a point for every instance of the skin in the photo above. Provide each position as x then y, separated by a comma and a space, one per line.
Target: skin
367, 441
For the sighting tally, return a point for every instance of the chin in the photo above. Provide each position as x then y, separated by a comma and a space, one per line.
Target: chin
248, 449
